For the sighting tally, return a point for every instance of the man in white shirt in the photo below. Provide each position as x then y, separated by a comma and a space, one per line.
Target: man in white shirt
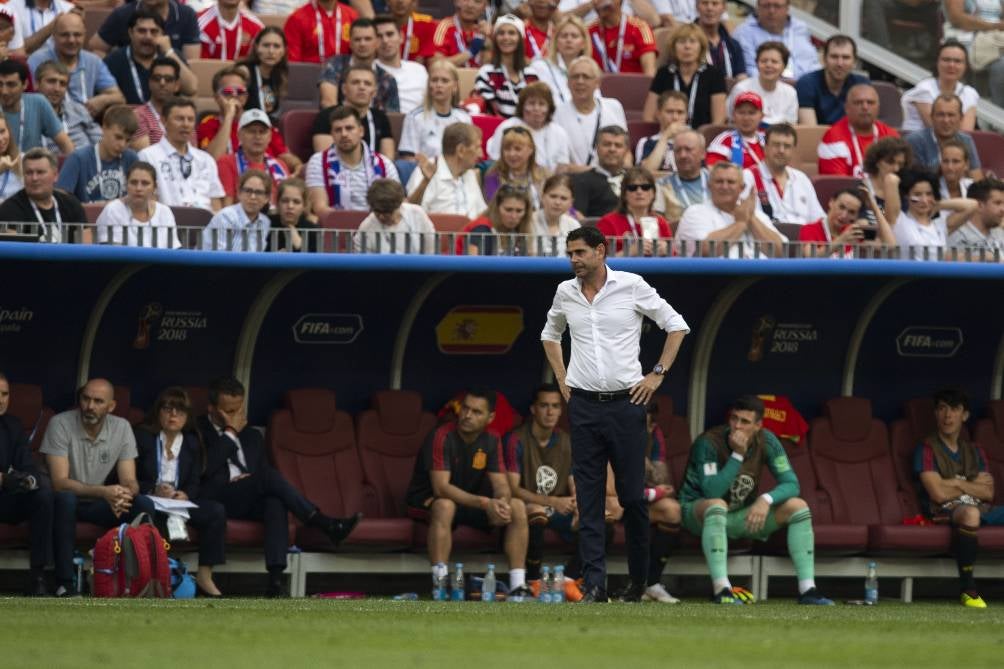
393, 226
726, 226
784, 194
983, 230
33, 24
449, 184
411, 77
606, 394
186, 176
586, 113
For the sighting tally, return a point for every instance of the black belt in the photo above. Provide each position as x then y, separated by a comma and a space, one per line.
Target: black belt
593, 396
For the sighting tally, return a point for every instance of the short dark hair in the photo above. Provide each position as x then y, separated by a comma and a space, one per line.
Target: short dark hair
886, 149
143, 166
385, 196
486, 394
545, 388
362, 22
786, 129
749, 403
163, 61
123, 116
980, 190
177, 101
913, 176
953, 396
774, 46
853, 192
666, 96
225, 385
956, 143
840, 40
614, 130
381, 19
14, 66
590, 235
343, 112
142, 14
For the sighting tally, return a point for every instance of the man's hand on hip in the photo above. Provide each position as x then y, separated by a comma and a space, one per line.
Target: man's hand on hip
643, 391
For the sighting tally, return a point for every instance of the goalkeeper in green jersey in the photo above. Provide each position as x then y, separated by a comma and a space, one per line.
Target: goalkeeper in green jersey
720, 499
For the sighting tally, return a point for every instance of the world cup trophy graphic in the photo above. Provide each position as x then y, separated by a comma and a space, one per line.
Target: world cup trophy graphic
761, 331
147, 316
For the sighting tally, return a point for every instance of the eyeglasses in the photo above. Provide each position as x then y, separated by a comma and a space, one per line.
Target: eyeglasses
174, 409
254, 192
635, 187
233, 91
163, 78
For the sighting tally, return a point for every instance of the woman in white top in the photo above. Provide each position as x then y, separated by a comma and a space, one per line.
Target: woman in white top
966, 18
923, 226
535, 112
552, 223
422, 132
571, 40
949, 70
393, 225
10, 162
780, 101
499, 83
954, 168
138, 219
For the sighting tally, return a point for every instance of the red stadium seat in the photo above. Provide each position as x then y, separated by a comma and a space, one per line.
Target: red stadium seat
890, 108
124, 407
989, 435
396, 120
92, 210
630, 89
712, 130
27, 405
296, 125
340, 221
828, 184
445, 224
639, 130
487, 124
194, 218
302, 85
990, 147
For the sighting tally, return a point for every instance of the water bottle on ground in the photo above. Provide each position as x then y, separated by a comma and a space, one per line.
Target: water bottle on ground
458, 583
558, 586
545, 585
439, 593
488, 585
871, 584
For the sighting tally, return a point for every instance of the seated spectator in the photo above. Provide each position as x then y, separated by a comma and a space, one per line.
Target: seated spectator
319, 30
622, 43
540, 25
946, 124
845, 227
655, 152
10, 162
949, 72
422, 132
780, 101
169, 464
688, 71
137, 218
411, 77
363, 47
82, 447
186, 176
254, 133
535, 113
91, 83
461, 38
587, 113
218, 134
98, 173
983, 230
772, 22
164, 85
724, 52
30, 116
357, 93
953, 170
923, 227
267, 72
571, 40
21, 496
417, 30
551, 221
449, 184
242, 226
178, 36
34, 22
393, 225
238, 475
822, 94
506, 227
884, 160
955, 486
744, 145
460, 479
226, 30
964, 21
637, 229
339, 177
784, 194
517, 166
293, 219
726, 226
40, 206
689, 186
131, 65
499, 84
842, 148
598, 189
51, 80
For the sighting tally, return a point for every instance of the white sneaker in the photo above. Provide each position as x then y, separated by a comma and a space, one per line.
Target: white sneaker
658, 593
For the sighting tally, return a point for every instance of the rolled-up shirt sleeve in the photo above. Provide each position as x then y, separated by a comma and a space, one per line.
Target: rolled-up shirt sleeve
554, 328
649, 303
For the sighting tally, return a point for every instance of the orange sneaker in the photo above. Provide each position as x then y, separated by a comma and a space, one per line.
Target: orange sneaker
572, 591
534, 585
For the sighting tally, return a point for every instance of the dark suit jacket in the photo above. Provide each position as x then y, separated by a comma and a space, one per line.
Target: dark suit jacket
189, 463
220, 448
14, 449
593, 195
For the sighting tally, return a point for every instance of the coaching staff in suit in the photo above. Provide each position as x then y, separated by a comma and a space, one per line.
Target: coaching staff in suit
239, 476
606, 394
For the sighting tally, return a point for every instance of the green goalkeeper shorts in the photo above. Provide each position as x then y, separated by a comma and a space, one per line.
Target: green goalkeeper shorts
735, 523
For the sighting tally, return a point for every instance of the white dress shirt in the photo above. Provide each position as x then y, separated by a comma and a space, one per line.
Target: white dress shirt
446, 194
606, 334
700, 220
168, 470
414, 233
582, 129
797, 204
233, 230
173, 189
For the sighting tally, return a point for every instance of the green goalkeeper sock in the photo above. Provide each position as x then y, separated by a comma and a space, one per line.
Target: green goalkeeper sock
801, 543
715, 543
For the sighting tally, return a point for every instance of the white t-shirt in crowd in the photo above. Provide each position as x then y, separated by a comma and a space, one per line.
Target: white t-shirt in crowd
446, 194
925, 91
700, 220
551, 143
414, 233
411, 81
582, 129
422, 131
779, 105
357, 179
551, 244
912, 235
173, 189
116, 225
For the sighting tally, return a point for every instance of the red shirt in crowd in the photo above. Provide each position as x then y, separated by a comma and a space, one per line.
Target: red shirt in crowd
537, 41
230, 174
211, 125
720, 149
417, 37
616, 224
227, 42
638, 40
842, 151
311, 27
450, 39
819, 233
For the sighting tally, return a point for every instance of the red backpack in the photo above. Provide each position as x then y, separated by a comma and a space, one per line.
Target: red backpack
131, 561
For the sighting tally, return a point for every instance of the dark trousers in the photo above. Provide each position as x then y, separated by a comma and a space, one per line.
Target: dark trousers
36, 508
267, 497
210, 519
69, 509
615, 432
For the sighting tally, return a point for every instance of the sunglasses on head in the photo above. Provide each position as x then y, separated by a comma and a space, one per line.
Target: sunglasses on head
633, 187
233, 91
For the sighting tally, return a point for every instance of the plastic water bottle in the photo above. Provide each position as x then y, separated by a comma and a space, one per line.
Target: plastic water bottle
545, 585
558, 586
871, 584
439, 586
488, 585
457, 594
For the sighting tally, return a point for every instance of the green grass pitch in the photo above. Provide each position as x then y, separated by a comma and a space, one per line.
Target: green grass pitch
246, 633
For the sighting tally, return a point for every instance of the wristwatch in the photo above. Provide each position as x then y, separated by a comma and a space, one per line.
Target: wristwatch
659, 369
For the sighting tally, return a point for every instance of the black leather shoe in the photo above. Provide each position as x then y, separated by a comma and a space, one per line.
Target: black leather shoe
629, 593
276, 590
340, 528
37, 587
594, 595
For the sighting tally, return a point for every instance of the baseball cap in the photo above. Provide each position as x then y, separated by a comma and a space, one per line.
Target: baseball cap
749, 97
510, 20
254, 116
